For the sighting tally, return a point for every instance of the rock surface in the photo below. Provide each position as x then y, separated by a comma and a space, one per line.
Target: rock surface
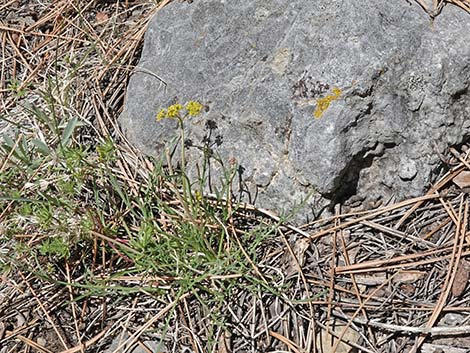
336, 97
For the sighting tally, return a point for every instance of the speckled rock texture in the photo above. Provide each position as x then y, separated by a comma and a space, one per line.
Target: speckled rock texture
264, 67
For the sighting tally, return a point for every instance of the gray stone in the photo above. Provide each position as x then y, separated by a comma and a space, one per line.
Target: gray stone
261, 67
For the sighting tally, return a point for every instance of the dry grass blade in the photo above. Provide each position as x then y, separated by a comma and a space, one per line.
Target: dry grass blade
33, 344
286, 341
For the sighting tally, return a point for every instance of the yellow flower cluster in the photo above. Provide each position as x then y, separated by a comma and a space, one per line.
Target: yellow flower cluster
161, 115
173, 111
324, 103
193, 108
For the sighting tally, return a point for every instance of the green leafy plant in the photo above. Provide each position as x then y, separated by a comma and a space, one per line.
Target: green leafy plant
55, 247
20, 90
118, 219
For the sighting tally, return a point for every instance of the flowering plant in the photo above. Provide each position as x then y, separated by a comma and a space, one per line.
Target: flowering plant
176, 112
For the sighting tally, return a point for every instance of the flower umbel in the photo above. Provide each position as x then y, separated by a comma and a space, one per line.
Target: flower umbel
174, 110
161, 114
193, 108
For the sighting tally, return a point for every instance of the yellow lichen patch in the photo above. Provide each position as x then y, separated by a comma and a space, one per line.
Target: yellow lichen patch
324, 103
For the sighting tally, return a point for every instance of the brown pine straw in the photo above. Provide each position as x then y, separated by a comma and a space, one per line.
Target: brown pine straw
371, 215
438, 5
461, 226
83, 346
424, 236
460, 221
127, 344
44, 310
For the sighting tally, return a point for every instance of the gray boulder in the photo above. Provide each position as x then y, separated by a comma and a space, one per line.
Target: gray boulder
338, 98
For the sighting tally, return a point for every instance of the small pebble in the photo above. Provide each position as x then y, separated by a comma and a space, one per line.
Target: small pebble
407, 169
20, 320
41, 341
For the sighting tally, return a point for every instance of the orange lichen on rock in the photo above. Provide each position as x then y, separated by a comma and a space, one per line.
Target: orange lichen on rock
324, 103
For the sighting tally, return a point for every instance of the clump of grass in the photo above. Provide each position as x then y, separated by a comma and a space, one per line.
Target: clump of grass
93, 211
